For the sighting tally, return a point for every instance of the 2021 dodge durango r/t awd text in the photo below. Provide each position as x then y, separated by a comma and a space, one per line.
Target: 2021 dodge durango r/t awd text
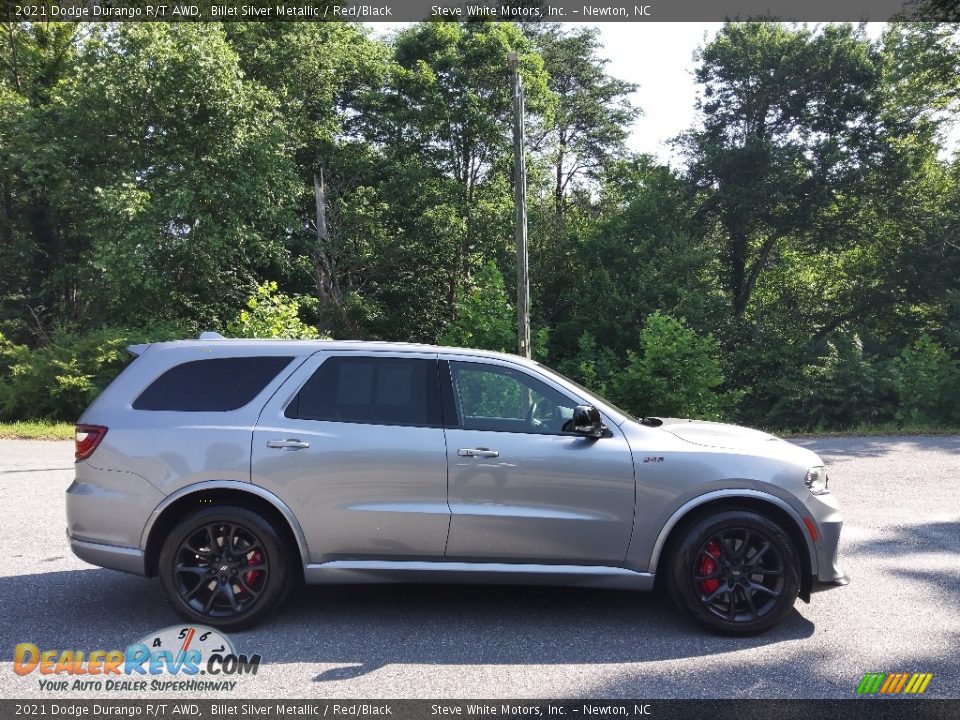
233, 469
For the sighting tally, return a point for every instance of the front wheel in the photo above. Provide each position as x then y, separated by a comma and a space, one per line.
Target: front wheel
225, 566
736, 572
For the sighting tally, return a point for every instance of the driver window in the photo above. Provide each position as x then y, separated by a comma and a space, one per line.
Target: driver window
493, 397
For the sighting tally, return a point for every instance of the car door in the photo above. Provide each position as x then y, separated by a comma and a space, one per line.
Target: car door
523, 488
353, 443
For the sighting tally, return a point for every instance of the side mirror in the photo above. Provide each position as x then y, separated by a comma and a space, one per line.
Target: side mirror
586, 421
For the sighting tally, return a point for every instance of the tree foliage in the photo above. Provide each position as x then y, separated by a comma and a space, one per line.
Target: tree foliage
485, 317
159, 179
675, 373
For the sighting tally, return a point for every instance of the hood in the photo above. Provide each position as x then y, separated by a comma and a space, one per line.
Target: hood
714, 434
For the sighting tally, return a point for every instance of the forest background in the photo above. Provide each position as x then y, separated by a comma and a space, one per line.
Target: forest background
798, 271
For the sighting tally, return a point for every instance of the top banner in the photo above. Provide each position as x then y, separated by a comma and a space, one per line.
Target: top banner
489, 10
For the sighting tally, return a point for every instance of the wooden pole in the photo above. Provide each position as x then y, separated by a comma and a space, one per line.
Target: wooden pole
520, 209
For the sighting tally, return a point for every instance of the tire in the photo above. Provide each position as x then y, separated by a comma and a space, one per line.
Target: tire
736, 572
241, 563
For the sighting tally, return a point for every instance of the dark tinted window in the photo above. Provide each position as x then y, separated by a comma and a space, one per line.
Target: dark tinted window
214, 385
378, 391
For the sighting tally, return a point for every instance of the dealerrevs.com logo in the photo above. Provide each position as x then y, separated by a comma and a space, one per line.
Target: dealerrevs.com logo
894, 683
178, 652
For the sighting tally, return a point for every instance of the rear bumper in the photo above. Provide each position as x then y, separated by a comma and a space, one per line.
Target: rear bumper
129, 560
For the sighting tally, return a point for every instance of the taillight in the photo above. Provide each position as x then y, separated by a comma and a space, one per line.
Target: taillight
86, 440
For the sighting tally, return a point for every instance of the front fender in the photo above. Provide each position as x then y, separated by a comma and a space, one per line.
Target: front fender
726, 494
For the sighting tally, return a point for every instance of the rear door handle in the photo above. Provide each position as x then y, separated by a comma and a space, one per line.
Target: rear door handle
478, 452
290, 444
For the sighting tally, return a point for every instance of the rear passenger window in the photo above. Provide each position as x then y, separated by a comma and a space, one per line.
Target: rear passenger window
215, 385
375, 391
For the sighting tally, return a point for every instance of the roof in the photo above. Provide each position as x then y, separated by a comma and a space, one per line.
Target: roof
213, 340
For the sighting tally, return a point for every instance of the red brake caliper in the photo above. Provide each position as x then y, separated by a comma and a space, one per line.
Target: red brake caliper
255, 559
708, 563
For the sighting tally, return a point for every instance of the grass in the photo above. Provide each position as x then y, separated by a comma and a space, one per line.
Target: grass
877, 429
49, 430
36, 430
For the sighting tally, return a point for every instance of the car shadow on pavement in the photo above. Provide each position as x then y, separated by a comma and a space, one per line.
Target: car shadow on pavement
905, 540
362, 628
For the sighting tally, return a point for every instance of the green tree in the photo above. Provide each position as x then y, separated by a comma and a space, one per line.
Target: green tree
192, 195
41, 209
591, 115
791, 118
928, 380
629, 253
319, 73
58, 380
449, 105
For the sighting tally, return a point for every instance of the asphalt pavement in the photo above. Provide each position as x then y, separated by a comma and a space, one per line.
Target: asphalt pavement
901, 612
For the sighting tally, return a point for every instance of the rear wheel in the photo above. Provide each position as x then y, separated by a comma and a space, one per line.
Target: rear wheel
736, 572
227, 567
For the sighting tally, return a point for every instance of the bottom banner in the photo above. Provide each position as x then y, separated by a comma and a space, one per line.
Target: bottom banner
638, 709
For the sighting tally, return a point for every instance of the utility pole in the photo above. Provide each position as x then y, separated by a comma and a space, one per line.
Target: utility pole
520, 209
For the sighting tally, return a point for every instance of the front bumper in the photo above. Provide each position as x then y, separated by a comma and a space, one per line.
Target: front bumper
825, 511
821, 585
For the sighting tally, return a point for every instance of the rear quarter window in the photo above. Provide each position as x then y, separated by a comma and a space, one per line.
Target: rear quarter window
214, 385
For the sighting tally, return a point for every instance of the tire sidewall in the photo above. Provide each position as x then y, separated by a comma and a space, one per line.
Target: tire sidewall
277, 557
685, 594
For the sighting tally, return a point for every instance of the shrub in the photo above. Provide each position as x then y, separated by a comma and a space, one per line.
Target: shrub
485, 317
676, 373
843, 388
271, 314
57, 381
928, 383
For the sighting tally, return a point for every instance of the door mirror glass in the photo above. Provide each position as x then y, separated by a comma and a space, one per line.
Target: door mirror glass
587, 421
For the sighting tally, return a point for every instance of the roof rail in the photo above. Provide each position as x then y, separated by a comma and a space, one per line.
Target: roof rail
210, 335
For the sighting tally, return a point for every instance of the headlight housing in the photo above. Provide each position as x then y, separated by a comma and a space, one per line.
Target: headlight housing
817, 481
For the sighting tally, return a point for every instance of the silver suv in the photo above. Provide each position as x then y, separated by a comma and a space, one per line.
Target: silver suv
233, 469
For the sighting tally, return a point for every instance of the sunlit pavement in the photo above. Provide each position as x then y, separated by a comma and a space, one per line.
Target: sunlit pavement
901, 612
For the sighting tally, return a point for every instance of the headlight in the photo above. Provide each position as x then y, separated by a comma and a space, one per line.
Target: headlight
816, 480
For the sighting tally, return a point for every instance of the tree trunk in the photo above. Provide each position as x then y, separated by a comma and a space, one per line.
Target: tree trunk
328, 285
558, 188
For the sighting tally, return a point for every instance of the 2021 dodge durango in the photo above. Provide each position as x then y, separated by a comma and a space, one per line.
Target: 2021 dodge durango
235, 469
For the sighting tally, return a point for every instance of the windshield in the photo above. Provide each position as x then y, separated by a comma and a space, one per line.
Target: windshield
586, 391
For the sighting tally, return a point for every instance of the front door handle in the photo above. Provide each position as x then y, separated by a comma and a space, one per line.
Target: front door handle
291, 444
478, 452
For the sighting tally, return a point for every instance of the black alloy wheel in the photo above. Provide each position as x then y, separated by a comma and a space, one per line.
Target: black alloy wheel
736, 572
221, 569
226, 567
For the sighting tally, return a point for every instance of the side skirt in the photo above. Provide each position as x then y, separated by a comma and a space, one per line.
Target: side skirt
386, 571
